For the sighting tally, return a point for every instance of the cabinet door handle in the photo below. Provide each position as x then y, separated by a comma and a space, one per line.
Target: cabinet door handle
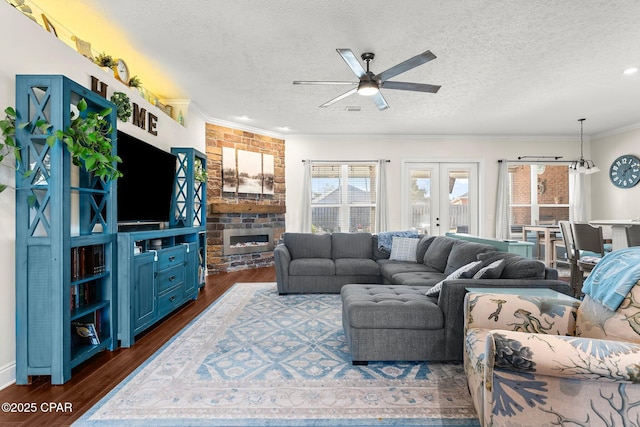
172, 299
172, 278
172, 258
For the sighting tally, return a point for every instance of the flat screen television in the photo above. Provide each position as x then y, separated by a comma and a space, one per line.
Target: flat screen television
146, 185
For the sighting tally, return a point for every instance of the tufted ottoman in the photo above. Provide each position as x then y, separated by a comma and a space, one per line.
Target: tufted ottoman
392, 323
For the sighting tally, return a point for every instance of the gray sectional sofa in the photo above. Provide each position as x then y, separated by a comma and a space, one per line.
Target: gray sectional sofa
323, 263
386, 314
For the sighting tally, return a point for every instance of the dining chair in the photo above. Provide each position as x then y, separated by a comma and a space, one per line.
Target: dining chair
577, 276
633, 235
540, 238
589, 245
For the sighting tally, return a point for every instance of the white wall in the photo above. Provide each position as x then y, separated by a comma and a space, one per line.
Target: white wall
611, 202
29, 49
484, 150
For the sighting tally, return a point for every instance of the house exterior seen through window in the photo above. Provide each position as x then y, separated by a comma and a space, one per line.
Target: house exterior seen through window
343, 197
538, 193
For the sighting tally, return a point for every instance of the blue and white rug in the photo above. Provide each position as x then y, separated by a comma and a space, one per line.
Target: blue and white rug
255, 358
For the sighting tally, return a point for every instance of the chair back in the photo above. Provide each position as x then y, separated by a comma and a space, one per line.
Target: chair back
633, 235
545, 222
567, 237
587, 238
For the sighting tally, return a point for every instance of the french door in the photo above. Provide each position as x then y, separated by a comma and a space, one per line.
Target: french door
440, 197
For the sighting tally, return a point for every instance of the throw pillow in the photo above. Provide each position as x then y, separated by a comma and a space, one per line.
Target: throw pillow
404, 249
491, 271
435, 289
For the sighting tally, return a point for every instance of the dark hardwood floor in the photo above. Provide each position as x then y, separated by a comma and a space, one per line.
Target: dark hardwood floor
95, 378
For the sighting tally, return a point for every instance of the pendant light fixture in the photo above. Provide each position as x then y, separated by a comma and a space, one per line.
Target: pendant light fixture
583, 166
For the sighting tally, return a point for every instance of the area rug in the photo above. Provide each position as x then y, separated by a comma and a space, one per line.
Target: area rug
255, 358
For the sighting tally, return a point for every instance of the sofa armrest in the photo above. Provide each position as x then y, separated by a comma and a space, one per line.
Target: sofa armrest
545, 315
563, 357
451, 302
282, 259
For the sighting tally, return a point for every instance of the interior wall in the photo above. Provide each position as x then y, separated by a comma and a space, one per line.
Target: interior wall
486, 151
614, 202
30, 49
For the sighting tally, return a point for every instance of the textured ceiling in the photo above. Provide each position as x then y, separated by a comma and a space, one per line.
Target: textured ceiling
506, 67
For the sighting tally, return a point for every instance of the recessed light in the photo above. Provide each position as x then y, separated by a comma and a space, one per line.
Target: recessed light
243, 117
630, 71
284, 128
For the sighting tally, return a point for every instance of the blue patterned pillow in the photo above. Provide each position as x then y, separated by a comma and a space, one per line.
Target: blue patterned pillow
385, 239
404, 249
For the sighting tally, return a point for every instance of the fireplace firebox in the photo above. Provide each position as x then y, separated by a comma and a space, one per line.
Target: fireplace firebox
246, 240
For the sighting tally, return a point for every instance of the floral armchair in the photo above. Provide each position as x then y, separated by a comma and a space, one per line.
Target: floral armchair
551, 361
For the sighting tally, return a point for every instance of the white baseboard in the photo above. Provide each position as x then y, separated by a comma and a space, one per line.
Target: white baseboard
7, 375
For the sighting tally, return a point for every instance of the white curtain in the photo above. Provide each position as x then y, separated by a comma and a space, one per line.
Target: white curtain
502, 201
577, 205
305, 220
382, 217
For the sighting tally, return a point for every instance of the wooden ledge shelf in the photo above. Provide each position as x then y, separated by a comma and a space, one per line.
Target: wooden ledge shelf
216, 208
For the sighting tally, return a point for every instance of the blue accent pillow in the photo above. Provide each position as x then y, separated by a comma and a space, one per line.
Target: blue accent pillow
385, 239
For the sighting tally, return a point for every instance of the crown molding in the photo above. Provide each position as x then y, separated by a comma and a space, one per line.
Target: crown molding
234, 125
617, 131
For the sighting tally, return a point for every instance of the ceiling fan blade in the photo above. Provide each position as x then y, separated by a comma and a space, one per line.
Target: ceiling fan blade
352, 62
424, 57
380, 102
303, 82
338, 98
417, 87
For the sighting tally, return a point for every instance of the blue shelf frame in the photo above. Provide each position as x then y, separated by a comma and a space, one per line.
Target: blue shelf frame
47, 207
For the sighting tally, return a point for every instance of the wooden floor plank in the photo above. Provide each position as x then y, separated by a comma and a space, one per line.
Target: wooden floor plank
93, 379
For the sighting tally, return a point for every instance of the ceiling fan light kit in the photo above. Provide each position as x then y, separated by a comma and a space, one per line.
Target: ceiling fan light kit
370, 84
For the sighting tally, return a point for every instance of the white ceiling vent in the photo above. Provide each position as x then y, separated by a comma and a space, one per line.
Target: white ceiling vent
353, 108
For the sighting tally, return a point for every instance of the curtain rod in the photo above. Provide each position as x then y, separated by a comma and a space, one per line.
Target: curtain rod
346, 161
520, 160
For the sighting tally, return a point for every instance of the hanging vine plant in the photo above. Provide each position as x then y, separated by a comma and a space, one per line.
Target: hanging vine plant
88, 140
124, 105
8, 144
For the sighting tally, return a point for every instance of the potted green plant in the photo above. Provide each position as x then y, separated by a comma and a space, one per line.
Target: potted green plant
136, 84
124, 105
105, 61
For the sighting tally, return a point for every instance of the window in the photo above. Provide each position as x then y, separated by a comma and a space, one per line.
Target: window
343, 197
538, 193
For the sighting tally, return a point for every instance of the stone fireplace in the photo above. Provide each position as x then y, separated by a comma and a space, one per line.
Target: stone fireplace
237, 223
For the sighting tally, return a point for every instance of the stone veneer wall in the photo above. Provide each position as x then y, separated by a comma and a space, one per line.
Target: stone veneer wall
230, 210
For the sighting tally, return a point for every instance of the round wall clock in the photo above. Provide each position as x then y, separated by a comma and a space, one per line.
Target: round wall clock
122, 71
625, 171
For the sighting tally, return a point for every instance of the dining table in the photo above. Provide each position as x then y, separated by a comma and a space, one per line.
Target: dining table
549, 230
618, 233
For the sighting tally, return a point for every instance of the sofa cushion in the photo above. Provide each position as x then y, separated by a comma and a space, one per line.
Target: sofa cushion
307, 245
351, 245
356, 267
462, 253
417, 278
515, 266
312, 267
389, 269
404, 249
423, 245
438, 251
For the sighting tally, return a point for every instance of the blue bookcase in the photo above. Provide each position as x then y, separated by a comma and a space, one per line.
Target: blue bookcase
66, 228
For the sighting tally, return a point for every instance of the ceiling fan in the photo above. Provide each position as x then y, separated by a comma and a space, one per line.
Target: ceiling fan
370, 83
